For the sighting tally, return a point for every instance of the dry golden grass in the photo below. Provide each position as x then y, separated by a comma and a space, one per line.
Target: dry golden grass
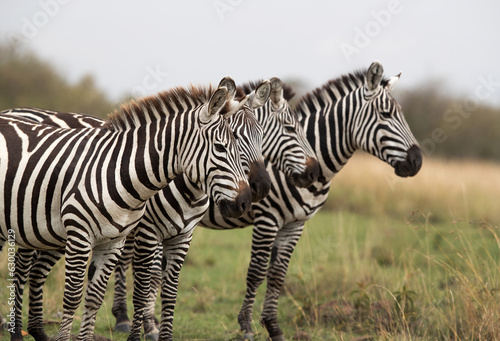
443, 189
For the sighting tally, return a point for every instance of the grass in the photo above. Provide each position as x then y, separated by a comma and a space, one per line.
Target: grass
443, 189
386, 259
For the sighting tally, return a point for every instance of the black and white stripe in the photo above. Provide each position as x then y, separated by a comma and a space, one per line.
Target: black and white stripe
85, 189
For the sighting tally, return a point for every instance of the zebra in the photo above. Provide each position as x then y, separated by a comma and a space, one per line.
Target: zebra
351, 112
294, 149
85, 189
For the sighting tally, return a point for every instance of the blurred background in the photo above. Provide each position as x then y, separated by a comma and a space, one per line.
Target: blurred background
433, 237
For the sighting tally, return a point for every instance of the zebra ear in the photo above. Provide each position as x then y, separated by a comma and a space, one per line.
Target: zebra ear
228, 82
234, 106
217, 101
374, 76
392, 81
276, 91
260, 95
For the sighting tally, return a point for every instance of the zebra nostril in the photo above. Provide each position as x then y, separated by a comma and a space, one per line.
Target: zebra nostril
415, 157
243, 207
311, 176
253, 186
313, 169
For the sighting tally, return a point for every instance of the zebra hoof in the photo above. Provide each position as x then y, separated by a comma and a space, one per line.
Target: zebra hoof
16, 337
152, 336
248, 336
278, 338
123, 327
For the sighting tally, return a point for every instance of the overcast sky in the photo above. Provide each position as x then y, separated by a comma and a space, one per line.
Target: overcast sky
147, 46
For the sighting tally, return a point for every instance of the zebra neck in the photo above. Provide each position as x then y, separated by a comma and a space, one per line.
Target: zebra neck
327, 118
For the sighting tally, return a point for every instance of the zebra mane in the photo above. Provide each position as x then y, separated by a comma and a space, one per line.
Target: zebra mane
345, 84
248, 87
169, 102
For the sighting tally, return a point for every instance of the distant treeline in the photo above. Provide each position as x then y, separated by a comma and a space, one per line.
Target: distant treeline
28, 81
452, 127
445, 126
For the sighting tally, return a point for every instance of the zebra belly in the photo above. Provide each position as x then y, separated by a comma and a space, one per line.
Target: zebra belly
36, 236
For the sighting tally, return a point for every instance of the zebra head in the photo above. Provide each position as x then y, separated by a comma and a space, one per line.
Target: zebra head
249, 134
382, 130
285, 144
225, 181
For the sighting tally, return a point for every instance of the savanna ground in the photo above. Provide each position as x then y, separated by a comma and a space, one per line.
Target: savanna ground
386, 259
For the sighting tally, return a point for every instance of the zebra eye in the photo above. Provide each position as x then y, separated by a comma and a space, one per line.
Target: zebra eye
235, 136
385, 114
220, 147
290, 129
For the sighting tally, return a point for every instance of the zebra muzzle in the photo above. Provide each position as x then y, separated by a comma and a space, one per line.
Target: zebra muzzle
259, 180
411, 165
230, 208
309, 175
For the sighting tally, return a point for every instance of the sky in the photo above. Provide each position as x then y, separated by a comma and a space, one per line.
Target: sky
144, 47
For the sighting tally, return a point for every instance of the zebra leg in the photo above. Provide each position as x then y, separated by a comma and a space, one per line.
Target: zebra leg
145, 244
76, 254
174, 253
104, 259
285, 243
119, 309
151, 324
39, 271
23, 261
262, 241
